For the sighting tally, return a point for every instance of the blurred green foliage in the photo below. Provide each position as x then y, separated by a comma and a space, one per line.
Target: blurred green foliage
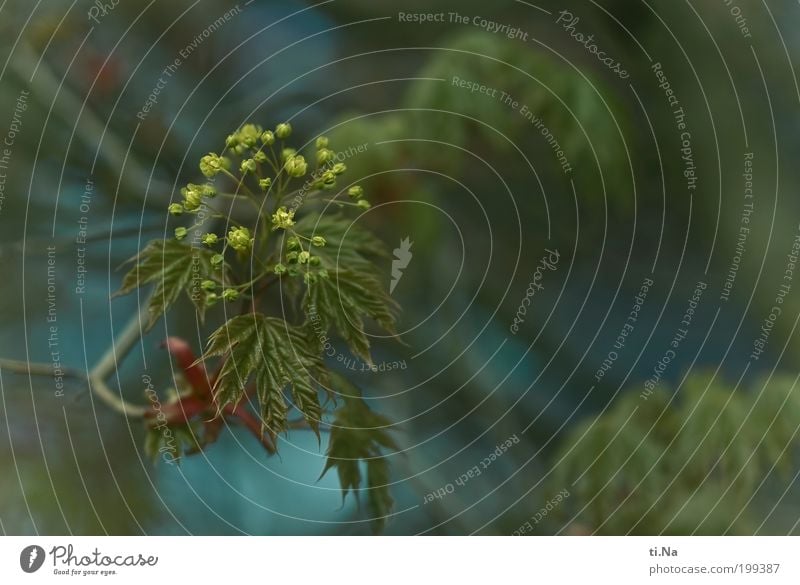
683, 463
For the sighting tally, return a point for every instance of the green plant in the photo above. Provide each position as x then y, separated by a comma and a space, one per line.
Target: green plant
686, 465
270, 243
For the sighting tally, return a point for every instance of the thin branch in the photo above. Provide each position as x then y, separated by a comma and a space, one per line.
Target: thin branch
107, 365
37, 369
96, 381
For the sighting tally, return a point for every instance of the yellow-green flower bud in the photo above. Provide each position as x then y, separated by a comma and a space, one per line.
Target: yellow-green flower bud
208, 190
315, 261
327, 180
339, 168
208, 285
260, 156
211, 164
293, 243
211, 299
248, 166
268, 138
322, 142
265, 183
192, 197
232, 140
364, 204
280, 269
322, 273
210, 239
296, 166
230, 294
318, 241
239, 239
356, 192
282, 219
288, 153
176, 209
217, 259
291, 257
249, 134
324, 155
310, 278
180, 233
303, 257
283, 131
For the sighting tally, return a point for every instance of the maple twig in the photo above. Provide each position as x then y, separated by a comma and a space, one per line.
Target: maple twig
97, 376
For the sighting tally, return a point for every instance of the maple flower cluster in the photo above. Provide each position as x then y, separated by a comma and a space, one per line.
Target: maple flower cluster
262, 169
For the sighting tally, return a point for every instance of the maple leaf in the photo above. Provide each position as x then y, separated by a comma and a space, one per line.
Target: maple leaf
174, 267
276, 355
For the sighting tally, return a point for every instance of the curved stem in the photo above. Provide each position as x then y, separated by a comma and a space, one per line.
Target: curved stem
96, 380
107, 365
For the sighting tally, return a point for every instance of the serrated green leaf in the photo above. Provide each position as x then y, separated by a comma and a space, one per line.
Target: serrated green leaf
174, 267
359, 434
343, 299
275, 355
348, 244
379, 501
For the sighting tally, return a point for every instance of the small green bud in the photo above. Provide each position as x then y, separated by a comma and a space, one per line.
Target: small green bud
240, 149
288, 153
322, 142
324, 155
208, 285
303, 257
268, 138
356, 191
293, 243
283, 131
327, 180
265, 183
280, 269
318, 241
315, 261
217, 259
180, 233
230, 294
176, 209
210, 239
291, 257
239, 239
248, 166
296, 166
208, 190
249, 135
322, 273
211, 299
192, 197
260, 156
232, 140
339, 168
282, 219
364, 204
211, 164
310, 278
